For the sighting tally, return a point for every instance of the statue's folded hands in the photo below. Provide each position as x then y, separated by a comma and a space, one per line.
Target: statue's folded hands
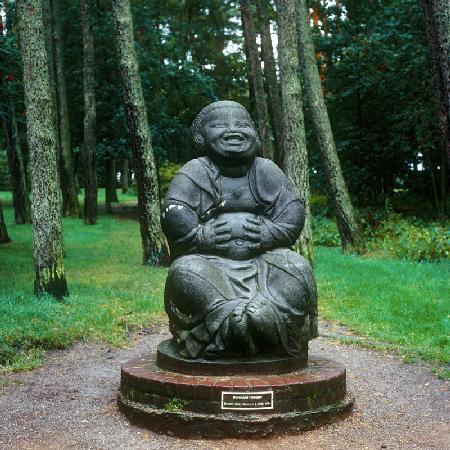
213, 235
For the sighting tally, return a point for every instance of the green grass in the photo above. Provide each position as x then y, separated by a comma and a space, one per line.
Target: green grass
110, 291
397, 302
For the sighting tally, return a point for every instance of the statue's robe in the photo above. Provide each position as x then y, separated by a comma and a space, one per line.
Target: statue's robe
264, 301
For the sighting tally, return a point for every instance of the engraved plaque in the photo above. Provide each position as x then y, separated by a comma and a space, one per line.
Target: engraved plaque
247, 400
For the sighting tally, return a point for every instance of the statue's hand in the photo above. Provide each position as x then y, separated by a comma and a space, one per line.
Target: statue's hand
257, 231
214, 235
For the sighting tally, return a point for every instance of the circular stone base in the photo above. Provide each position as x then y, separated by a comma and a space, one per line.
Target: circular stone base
233, 406
167, 358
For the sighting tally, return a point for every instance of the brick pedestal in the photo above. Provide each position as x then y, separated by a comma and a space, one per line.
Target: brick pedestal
239, 405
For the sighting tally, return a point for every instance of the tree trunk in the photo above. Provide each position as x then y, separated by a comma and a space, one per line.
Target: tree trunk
124, 175
110, 184
114, 181
41, 133
294, 139
251, 88
270, 72
48, 30
16, 166
71, 205
437, 23
443, 180
90, 175
351, 236
257, 79
153, 242
4, 238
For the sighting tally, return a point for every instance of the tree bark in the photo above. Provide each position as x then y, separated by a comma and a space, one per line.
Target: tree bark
71, 206
153, 241
294, 139
48, 30
114, 181
351, 236
256, 79
16, 166
4, 238
437, 24
41, 133
124, 175
270, 72
110, 184
90, 175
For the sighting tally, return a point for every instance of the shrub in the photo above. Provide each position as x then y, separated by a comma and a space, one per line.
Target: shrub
411, 239
167, 171
319, 204
325, 232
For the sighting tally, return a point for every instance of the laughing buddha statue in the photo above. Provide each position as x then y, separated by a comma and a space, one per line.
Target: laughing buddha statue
235, 288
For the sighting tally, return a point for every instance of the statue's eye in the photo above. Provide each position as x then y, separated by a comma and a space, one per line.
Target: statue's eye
243, 124
217, 125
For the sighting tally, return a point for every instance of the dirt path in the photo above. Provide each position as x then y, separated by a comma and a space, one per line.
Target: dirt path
71, 403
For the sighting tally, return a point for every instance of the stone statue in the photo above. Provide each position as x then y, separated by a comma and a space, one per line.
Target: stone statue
234, 288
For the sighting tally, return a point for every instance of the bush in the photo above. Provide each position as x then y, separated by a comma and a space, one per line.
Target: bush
411, 239
390, 235
319, 204
166, 173
325, 232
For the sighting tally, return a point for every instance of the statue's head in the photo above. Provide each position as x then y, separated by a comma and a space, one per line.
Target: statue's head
225, 131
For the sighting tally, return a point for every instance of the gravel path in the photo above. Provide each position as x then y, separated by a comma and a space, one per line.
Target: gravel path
70, 403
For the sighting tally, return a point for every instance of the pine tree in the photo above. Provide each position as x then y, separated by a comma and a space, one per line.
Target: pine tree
4, 238
271, 81
42, 142
110, 184
351, 236
90, 176
16, 165
124, 177
153, 242
71, 205
437, 23
257, 79
294, 139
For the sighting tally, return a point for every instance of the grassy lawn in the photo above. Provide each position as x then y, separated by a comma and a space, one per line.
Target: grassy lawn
110, 291
405, 304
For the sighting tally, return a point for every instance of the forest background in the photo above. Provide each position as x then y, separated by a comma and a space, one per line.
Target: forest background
376, 74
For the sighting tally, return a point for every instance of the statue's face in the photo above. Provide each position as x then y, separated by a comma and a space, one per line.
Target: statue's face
229, 133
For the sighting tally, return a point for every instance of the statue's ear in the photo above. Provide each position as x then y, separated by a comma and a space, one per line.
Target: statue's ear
198, 140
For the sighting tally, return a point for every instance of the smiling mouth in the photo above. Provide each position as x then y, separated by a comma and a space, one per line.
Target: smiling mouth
234, 139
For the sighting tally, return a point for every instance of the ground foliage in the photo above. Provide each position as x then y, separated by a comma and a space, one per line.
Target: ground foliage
390, 235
